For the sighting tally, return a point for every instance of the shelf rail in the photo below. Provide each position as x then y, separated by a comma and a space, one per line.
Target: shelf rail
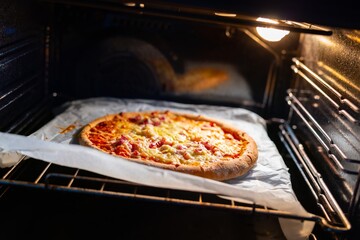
331, 148
325, 200
340, 103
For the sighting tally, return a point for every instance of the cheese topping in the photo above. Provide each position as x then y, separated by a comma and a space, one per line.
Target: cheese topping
166, 137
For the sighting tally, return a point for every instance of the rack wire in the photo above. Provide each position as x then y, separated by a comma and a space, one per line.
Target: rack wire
330, 122
335, 137
58, 178
325, 200
339, 102
331, 148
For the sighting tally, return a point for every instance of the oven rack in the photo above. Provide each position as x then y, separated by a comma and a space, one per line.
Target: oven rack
324, 100
53, 177
333, 151
321, 193
344, 106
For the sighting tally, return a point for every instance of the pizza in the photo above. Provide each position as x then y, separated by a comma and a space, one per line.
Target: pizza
183, 142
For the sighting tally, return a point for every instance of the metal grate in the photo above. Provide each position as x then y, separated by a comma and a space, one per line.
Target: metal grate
344, 106
330, 116
325, 200
39, 174
323, 125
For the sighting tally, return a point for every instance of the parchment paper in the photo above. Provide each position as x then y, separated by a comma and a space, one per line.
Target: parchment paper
267, 184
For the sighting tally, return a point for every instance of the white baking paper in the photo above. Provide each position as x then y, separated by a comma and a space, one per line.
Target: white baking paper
267, 184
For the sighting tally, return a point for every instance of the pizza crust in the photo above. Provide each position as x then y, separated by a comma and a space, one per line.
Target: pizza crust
217, 170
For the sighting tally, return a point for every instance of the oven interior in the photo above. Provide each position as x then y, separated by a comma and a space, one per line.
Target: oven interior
306, 86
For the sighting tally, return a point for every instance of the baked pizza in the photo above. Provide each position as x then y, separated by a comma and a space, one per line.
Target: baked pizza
183, 142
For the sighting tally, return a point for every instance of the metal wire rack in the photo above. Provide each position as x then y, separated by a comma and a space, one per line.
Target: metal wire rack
324, 100
58, 178
325, 201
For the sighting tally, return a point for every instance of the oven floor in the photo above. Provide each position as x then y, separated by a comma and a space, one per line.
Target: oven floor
42, 214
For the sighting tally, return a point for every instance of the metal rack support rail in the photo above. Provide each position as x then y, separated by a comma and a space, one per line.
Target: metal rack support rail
314, 180
301, 111
341, 102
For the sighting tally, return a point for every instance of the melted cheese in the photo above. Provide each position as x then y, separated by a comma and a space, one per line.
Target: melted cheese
168, 138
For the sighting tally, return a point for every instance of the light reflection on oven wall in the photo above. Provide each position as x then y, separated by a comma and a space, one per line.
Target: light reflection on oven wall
178, 60
329, 93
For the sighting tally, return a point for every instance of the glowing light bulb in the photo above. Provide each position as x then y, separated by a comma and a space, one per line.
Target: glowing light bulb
270, 34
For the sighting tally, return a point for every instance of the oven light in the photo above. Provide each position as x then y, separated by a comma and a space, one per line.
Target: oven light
270, 34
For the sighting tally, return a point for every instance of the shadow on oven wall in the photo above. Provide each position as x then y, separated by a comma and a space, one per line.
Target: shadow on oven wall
101, 53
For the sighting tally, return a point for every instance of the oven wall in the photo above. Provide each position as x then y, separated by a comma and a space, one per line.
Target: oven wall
23, 85
326, 115
100, 53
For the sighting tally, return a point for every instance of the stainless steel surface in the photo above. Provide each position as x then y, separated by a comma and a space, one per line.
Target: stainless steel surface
340, 98
322, 194
335, 60
328, 144
324, 102
339, 105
